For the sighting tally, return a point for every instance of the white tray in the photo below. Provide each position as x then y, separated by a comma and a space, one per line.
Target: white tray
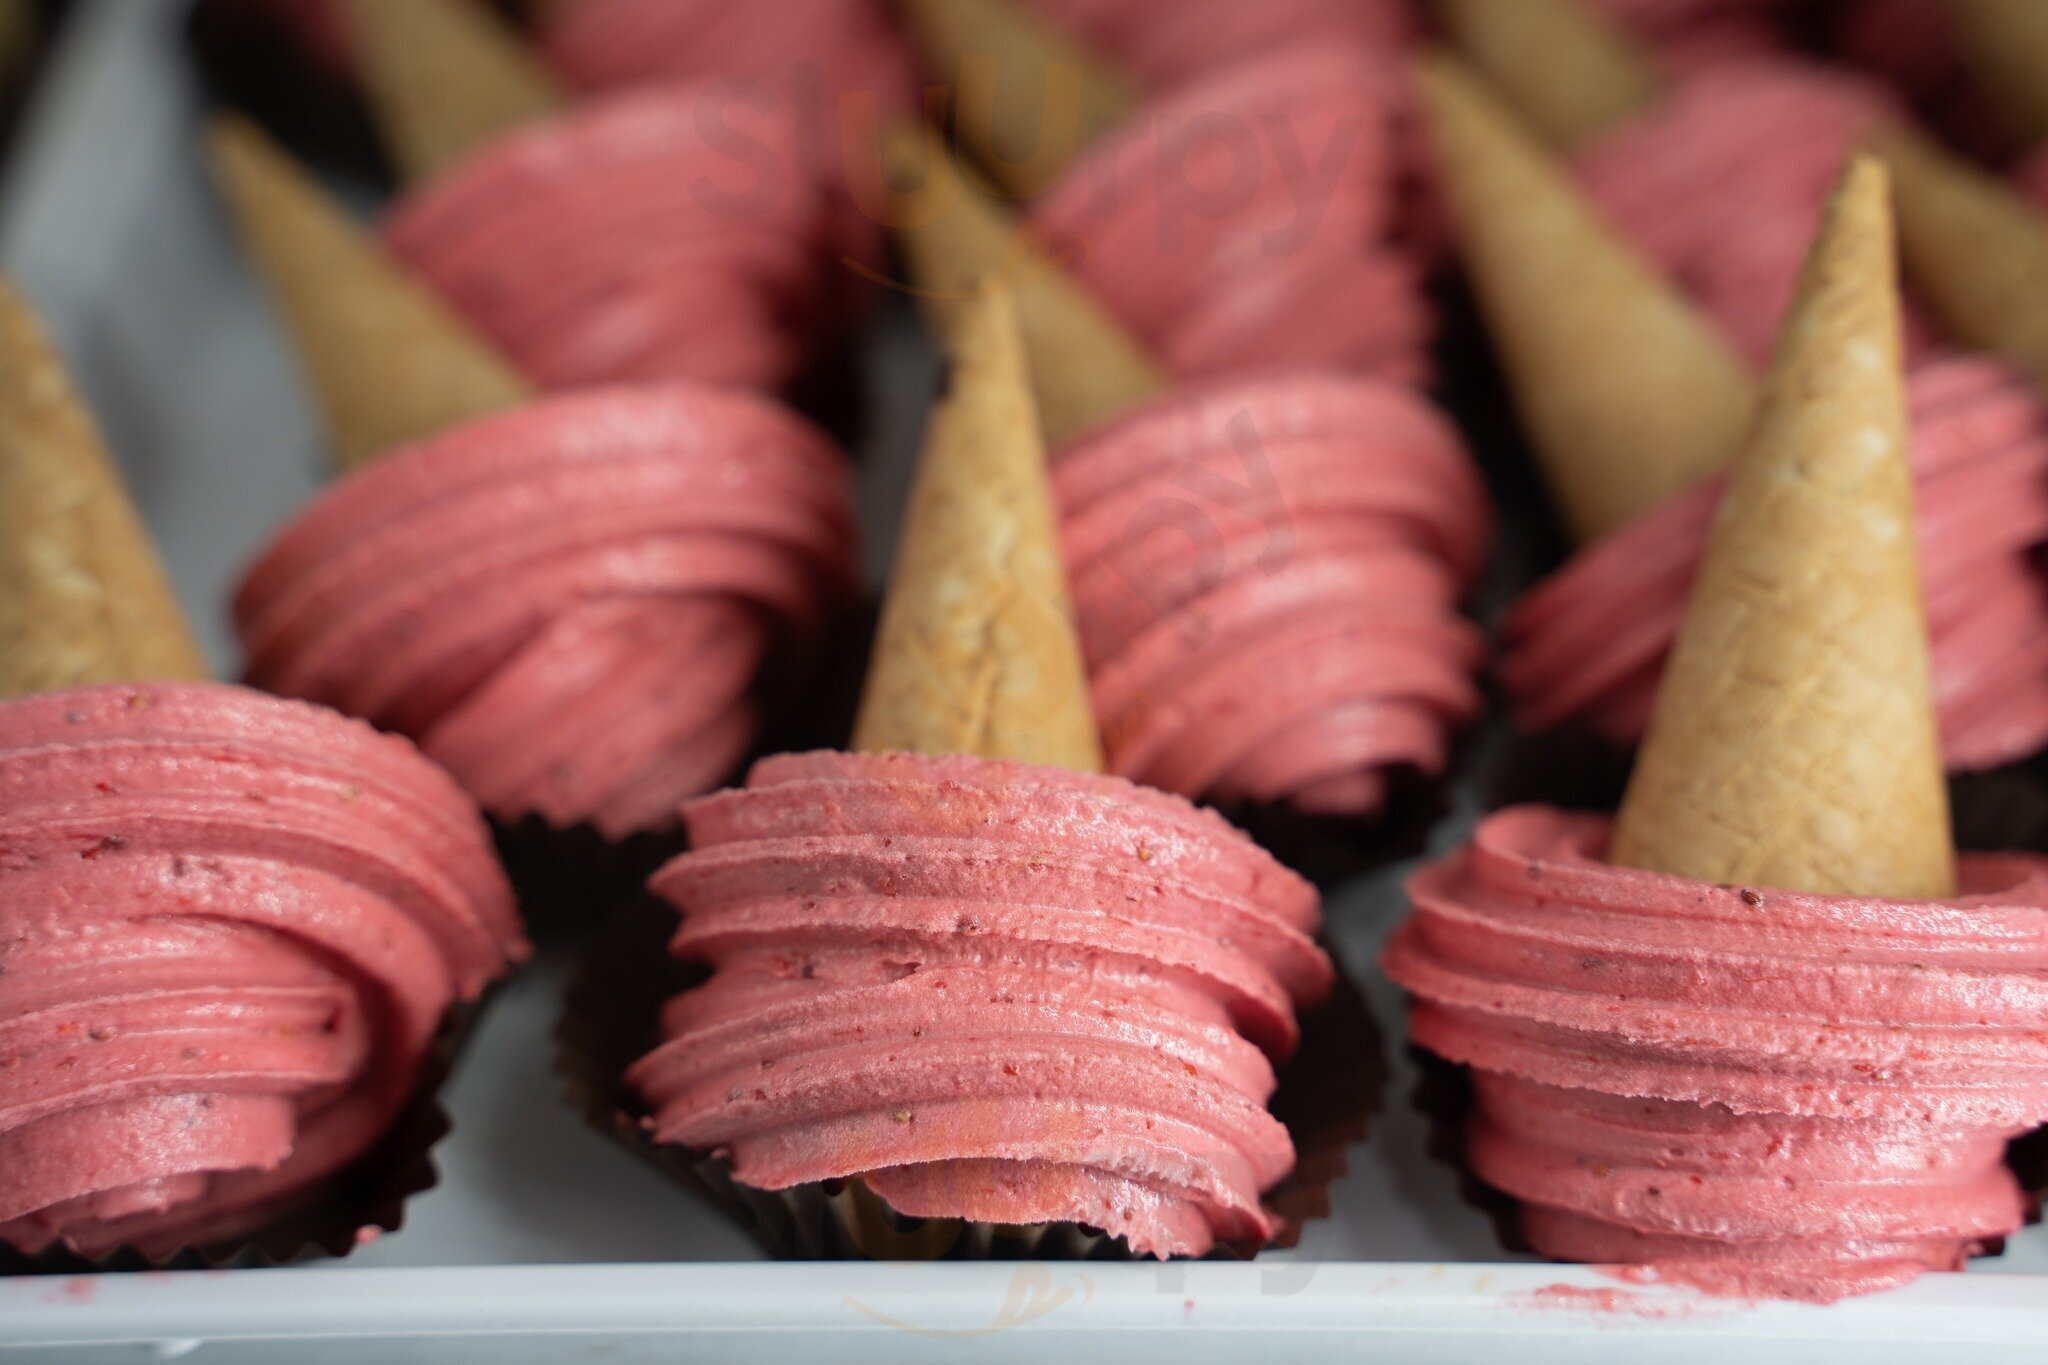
544, 1240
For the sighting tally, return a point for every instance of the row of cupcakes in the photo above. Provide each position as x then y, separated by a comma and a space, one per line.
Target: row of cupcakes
789, 974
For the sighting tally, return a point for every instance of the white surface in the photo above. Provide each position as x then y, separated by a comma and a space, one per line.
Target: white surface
111, 226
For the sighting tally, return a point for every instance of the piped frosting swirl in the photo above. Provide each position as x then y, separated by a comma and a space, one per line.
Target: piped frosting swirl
230, 927
568, 604
1757, 1091
991, 991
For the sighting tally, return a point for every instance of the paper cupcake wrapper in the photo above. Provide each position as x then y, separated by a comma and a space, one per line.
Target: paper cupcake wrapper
353, 1208
1327, 1095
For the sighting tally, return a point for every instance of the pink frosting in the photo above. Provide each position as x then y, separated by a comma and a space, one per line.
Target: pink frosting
1586, 646
1689, 35
1252, 219
229, 929
1170, 43
675, 233
1266, 576
841, 48
1755, 1091
1769, 138
992, 991
567, 604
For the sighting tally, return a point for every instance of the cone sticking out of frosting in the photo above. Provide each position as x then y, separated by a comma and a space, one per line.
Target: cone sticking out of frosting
2005, 44
83, 595
390, 362
1084, 365
1629, 395
1569, 71
1026, 95
1975, 252
976, 652
443, 76
1793, 744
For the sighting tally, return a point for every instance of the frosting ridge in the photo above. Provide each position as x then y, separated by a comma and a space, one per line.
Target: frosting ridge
1754, 1090
989, 990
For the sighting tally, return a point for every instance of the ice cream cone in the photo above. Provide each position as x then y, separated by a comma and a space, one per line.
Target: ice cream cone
1026, 95
1793, 744
1628, 394
976, 651
1566, 69
83, 595
442, 77
1083, 365
2005, 44
390, 362
1975, 252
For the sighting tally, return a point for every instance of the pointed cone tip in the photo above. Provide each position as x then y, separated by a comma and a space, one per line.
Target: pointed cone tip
83, 594
1628, 394
1975, 251
1793, 744
1027, 95
390, 363
976, 652
443, 77
1567, 69
1084, 365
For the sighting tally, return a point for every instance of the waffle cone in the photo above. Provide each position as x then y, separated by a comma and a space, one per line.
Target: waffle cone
2005, 45
976, 651
1567, 70
1084, 366
443, 77
83, 595
389, 361
1976, 253
1628, 394
1793, 743
1026, 95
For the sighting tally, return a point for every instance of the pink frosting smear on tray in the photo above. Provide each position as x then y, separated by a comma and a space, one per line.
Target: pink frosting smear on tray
1266, 576
1756, 1092
230, 927
674, 233
569, 604
1253, 219
1585, 647
989, 990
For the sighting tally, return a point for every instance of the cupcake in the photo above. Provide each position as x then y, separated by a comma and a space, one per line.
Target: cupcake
1215, 528
1633, 403
1762, 1032
233, 929
1184, 209
964, 989
576, 602
677, 232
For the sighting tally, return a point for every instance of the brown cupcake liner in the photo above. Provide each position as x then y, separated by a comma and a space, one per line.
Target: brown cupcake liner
350, 1209
1327, 1095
